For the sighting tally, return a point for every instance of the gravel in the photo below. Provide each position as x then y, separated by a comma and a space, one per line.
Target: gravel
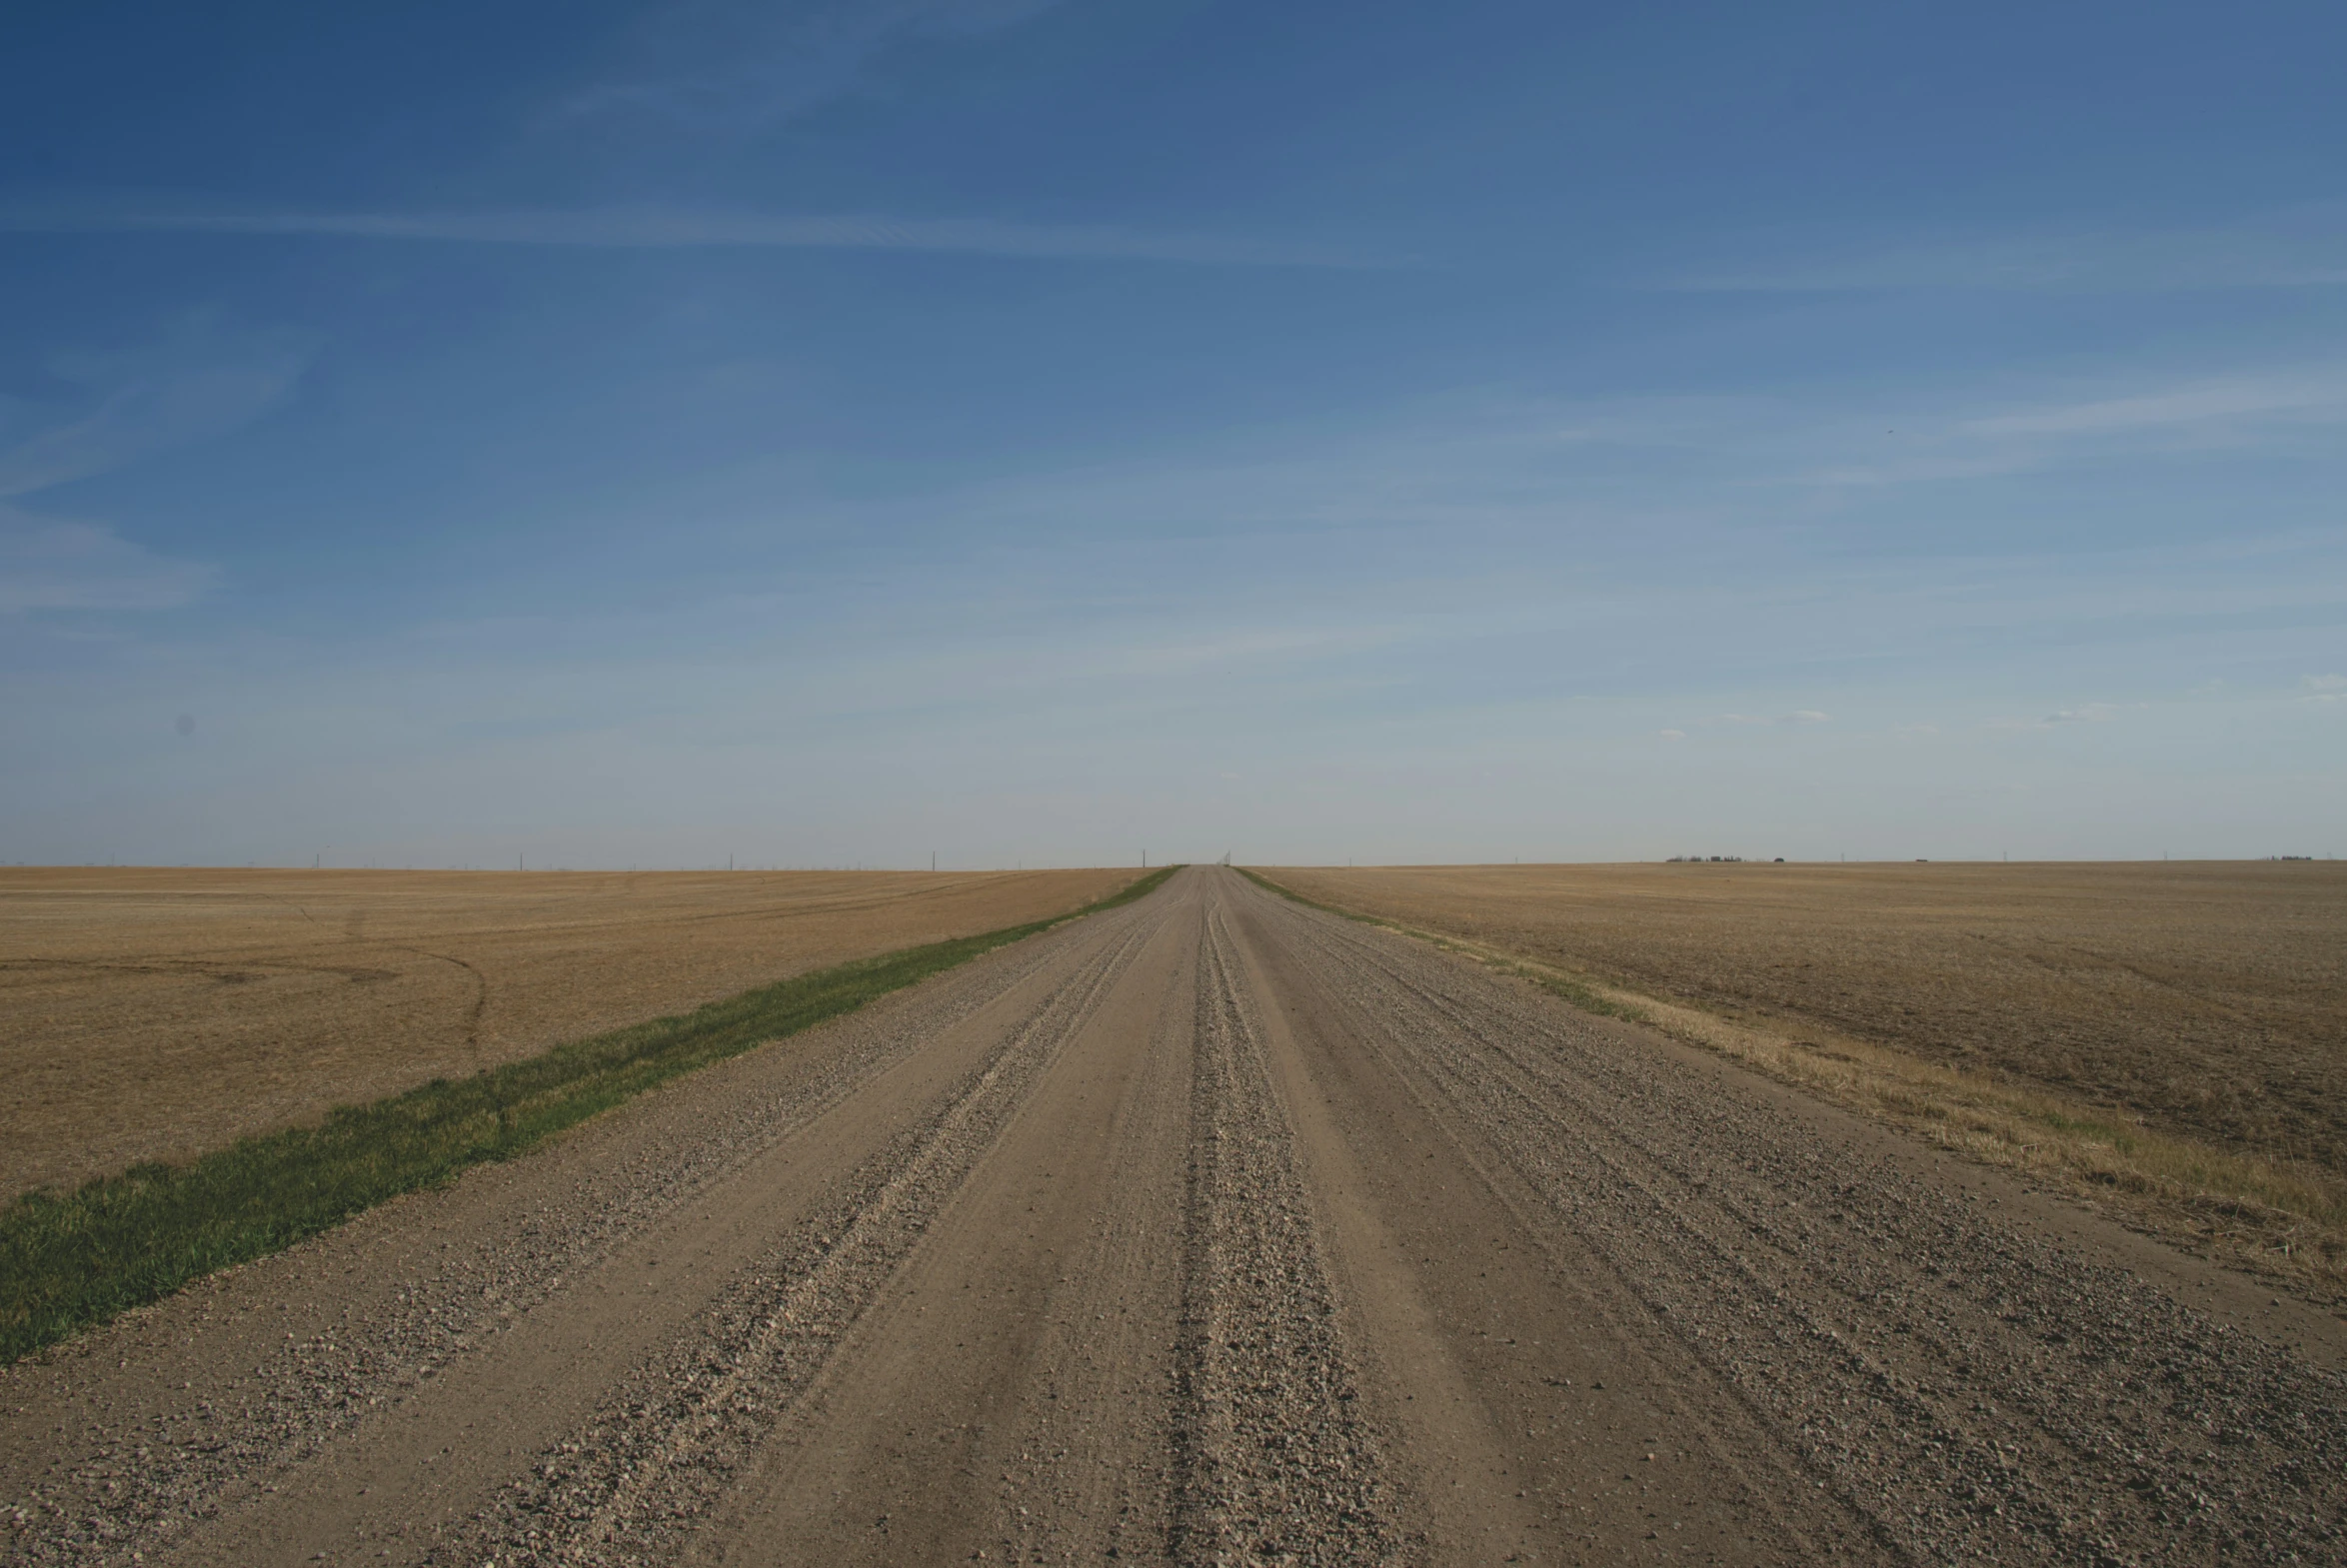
618, 1349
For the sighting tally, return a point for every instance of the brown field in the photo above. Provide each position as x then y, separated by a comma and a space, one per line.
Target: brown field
152, 1014
1211, 1230
2207, 998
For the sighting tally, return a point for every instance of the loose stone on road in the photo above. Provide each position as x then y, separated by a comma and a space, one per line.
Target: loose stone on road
1210, 1229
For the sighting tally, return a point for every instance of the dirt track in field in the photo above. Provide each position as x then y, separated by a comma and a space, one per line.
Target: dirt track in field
152, 1014
1213, 1230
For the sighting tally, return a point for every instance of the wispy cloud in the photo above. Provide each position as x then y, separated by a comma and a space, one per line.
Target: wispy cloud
46, 564
200, 381
1859, 443
1242, 649
2083, 714
2304, 249
2321, 396
2324, 688
727, 68
2191, 413
117, 406
1803, 716
667, 229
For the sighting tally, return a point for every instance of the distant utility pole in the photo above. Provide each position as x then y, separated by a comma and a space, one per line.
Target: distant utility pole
1145, 860
933, 860
520, 862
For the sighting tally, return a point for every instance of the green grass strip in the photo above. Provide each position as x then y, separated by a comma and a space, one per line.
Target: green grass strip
71, 1260
1292, 896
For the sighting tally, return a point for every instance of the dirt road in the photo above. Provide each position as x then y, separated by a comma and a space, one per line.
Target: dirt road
1211, 1230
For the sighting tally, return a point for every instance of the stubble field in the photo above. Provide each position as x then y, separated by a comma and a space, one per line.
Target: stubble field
2209, 998
154, 1014
1207, 1228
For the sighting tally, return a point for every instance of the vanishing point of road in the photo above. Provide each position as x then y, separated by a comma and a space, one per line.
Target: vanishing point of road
1211, 1230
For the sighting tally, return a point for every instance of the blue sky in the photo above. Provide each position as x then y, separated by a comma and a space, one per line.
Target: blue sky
821, 433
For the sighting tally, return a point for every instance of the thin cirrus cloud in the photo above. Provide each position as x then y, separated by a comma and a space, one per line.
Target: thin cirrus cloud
2298, 250
663, 229
2083, 714
200, 381
2197, 413
734, 68
1833, 445
2317, 397
203, 381
50, 564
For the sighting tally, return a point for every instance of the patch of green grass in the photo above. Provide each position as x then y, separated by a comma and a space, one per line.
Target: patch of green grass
70, 1260
1294, 897
1583, 997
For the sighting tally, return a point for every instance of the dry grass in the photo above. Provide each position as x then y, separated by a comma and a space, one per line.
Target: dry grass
2168, 1040
155, 1013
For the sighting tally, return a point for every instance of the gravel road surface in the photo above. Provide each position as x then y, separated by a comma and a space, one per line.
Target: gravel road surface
1212, 1229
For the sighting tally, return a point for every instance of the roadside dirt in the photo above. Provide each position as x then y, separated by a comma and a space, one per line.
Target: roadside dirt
1212, 1229
155, 1013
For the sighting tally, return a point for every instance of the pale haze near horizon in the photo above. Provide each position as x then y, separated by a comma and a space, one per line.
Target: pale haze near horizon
1041, 433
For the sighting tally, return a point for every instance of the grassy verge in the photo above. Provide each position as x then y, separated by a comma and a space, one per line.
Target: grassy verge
2285, 1223
74, 1259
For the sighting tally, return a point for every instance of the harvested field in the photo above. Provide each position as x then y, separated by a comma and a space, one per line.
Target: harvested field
1210, 1229
2207, 997
155, 1013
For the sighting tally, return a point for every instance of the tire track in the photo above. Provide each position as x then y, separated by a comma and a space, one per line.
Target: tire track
1977, 1392
664, 1448
252, 1380
1273, 1457
1135, 1241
